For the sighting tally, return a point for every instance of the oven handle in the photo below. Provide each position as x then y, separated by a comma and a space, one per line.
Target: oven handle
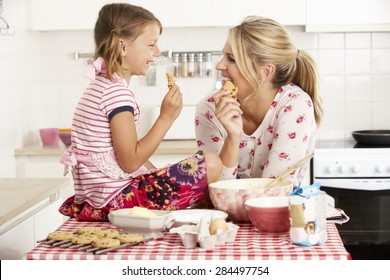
358, 184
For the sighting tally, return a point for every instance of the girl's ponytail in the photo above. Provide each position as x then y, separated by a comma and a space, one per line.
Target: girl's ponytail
306, 77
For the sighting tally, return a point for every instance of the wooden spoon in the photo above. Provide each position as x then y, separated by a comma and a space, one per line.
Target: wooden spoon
288, 172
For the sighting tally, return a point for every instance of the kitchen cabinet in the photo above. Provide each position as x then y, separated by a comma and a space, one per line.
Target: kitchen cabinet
49, 15
29, 212
82, 15
348, 15
232, 12
178, 13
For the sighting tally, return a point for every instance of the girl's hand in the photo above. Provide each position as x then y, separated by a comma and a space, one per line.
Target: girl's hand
172, 104
228, 112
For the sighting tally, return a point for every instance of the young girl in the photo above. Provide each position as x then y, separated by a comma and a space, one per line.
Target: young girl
109, 163
272, 124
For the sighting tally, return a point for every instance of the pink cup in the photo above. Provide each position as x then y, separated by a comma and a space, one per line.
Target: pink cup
49, 136
269, 214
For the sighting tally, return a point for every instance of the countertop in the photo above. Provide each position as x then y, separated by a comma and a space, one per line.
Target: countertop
20, 194
166, 147
249, 244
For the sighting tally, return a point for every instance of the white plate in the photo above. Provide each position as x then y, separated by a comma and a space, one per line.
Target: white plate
193, 216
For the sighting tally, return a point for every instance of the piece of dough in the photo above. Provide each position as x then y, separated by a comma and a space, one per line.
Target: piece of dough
229, 86
171, 80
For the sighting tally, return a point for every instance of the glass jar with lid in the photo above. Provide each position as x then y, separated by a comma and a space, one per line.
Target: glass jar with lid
184, 65
191, 65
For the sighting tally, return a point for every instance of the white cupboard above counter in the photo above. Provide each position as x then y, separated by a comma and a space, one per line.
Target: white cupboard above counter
316, 15
50, 15
348, 16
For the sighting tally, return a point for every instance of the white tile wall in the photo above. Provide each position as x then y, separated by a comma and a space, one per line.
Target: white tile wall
40, 81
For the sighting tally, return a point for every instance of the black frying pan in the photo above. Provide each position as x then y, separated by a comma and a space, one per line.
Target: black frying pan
372, 137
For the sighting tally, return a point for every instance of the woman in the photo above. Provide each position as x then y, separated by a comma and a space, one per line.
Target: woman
272, 123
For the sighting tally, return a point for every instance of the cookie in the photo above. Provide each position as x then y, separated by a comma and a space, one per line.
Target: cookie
84, 239
171, 80
106, 242
130, 238
60, 235
89, 230
229, 86
111, 233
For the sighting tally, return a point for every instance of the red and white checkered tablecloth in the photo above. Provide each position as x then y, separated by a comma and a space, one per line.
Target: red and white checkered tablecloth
249, 245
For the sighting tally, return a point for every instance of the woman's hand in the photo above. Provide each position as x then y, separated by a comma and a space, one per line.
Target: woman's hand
228, 112
172, 104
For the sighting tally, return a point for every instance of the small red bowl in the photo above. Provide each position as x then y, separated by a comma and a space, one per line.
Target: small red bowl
269, 214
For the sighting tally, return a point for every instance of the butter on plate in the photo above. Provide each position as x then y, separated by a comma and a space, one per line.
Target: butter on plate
141, 212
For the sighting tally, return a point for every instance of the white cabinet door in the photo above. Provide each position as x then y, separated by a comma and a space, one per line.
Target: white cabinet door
348, 15
63, 15
179, 13
232, 12
81, 15
17, 241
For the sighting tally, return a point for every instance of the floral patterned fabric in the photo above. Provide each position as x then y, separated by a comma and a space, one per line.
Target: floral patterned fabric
174, 187
285, 136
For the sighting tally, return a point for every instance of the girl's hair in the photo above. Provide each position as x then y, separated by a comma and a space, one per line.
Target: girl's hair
115, 21
259, 40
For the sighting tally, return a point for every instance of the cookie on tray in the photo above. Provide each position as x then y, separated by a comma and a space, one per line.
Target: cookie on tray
111, 233
60, 235
83, 239
106, 242
130, 238
89, 230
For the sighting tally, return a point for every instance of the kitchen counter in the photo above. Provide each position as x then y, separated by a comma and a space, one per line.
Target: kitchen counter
18, 195
166, 147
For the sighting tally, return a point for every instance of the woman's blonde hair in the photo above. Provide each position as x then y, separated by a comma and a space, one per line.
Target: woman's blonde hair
115, 21
257, 41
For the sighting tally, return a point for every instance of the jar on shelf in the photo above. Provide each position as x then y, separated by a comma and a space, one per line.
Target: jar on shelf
175, 65
191, 65
184, 65
199, 68
208, 65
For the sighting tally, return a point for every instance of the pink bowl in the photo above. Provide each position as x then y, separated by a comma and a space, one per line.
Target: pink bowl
229, 195
269, 214
49, 136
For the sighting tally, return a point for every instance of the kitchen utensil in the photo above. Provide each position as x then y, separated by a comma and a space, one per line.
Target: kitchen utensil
65, 136
372, 137
49, 136
269, 214
288, 172
229, 195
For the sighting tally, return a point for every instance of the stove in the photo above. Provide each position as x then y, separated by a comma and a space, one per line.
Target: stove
358, 178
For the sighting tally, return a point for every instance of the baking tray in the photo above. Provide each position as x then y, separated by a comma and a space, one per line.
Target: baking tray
372, 137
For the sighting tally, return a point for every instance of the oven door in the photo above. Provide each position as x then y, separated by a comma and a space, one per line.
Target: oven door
367, 234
